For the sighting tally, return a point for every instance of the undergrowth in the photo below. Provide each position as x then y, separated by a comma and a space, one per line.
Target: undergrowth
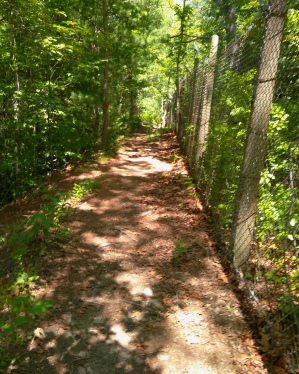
179, 250
26, 244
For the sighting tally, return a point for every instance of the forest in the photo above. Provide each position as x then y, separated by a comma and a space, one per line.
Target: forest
77, 78
65, 65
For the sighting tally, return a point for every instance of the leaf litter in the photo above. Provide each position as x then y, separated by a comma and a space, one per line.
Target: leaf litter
126, 301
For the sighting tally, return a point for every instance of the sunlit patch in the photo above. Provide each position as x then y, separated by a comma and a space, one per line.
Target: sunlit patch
136, 284
201, 370
91, 238
84, 206
120, 336
136, 315
77, 225
51, 344
148, 292
156, 164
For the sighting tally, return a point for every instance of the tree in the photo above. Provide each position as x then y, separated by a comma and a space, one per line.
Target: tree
105, 75
57, 59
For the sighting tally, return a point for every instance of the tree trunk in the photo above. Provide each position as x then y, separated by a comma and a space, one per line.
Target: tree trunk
16, 102
255, 149
178, 63
105, 78
230, 15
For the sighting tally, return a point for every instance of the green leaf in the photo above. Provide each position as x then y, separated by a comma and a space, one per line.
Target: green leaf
22, 321
8, 328
20, 304
22, 278
41, 307
269, 275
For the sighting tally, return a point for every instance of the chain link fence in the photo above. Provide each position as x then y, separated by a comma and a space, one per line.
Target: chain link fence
238, 125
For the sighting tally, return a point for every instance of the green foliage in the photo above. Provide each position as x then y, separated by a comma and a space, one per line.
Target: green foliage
290, 305
23, 311
51, 82
230, 308
42, 231
131, 125
278, 215
188, 182
175, 157
179, 250
270, 269
223, 158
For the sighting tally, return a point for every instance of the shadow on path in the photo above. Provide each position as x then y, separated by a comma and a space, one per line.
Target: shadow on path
138, 289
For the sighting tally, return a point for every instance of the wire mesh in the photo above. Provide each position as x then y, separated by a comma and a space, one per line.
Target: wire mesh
248, 174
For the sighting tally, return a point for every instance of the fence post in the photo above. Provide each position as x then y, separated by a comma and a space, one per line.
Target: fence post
204, 122
192, 113
184, 106
255, 147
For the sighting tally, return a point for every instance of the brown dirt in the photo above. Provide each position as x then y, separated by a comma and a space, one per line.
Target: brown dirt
123, 304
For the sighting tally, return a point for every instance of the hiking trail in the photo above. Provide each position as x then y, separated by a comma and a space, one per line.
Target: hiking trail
138, 288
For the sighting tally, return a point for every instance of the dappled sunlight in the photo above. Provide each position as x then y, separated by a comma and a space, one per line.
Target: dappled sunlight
155, 164
136, 284
84, 206
120, 336
137, 288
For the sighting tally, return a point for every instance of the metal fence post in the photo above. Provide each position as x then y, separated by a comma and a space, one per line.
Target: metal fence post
255, 148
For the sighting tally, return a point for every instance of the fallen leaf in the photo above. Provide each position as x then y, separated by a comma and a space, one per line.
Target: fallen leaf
136, 314
62, 328
265, 346
140, 347
246, 335
166, 300
195, 295
282, 363
279, 370
249, 342
222, 277
243, 357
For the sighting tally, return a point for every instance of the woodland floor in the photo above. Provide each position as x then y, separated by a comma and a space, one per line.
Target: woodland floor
122, 304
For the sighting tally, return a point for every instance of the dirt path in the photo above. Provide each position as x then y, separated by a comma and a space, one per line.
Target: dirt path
123, 304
